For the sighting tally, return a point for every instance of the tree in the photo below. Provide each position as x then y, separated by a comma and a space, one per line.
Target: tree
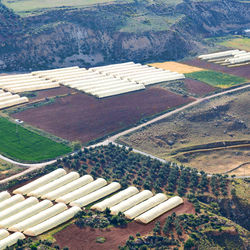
189, 244
76, 145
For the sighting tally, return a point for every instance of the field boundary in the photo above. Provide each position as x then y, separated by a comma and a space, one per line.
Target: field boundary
212, 146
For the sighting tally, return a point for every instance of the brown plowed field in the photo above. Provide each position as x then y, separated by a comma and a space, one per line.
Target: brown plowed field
82, 117
243, 71
197, 87
41, 94
78, 239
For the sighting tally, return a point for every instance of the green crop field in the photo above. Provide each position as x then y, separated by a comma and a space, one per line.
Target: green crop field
23, 145
237, 43
217, 79
22, 6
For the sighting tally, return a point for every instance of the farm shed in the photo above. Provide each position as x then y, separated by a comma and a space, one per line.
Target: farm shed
11, 240
54, 184
82, 181
80, 192
33, 87
118, 91
25, 214
4, 196
113, 200
130, 202
40, 182
14, 102
159, 210
3, 234
18, 207
3, 94
55, 70
97, 195
145, 205
52, 222
241, 59
38, 218
218, 54
11, 201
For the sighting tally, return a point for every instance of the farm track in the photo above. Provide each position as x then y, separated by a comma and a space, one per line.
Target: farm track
112, 139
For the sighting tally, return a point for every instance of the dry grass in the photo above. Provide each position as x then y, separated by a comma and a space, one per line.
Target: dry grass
197, 126
178, 67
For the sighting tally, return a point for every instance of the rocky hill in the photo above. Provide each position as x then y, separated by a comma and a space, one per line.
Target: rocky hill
140, 31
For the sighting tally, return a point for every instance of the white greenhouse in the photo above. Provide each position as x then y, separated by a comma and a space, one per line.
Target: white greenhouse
18, 207
52, 222
40, 182
97, 195
159, 210
4, 196
145, 205
130, 202
218, 54
11, 201
78, 183
113, 200
25, 214
11, 240
54, 184
38, 218
80, 192
3, 234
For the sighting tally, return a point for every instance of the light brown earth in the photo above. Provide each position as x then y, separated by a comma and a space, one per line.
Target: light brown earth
175, 66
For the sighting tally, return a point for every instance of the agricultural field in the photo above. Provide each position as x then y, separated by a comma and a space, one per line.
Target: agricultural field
23, 145
216, 79
83, 117
192, 220
25, 6
237, 43
7, 169
188, 87
222, 119
241, 71
177, 67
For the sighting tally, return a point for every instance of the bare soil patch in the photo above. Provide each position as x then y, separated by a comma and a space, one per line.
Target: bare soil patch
83, 117
48, 93
78, 239
197, 87
243, 71
219, 161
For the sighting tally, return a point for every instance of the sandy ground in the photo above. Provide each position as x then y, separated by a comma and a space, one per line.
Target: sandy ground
177, 67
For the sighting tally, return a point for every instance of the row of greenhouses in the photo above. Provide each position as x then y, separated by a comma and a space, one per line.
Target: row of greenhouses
228, 58
7, 99
136, 72
31, 209
90, 82
25, 82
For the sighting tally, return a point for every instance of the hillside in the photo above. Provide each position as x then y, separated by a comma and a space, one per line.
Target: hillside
33, 38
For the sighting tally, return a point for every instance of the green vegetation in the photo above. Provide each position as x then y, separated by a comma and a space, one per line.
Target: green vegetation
216, 79
238, 43
24, 145
28, 6
7, 169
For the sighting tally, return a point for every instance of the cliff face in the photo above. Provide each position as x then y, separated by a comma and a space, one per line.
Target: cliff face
94, 36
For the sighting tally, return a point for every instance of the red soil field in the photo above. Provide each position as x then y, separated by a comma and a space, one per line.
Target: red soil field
78, 239
197, 87
243, 71
83, 117
41, 94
